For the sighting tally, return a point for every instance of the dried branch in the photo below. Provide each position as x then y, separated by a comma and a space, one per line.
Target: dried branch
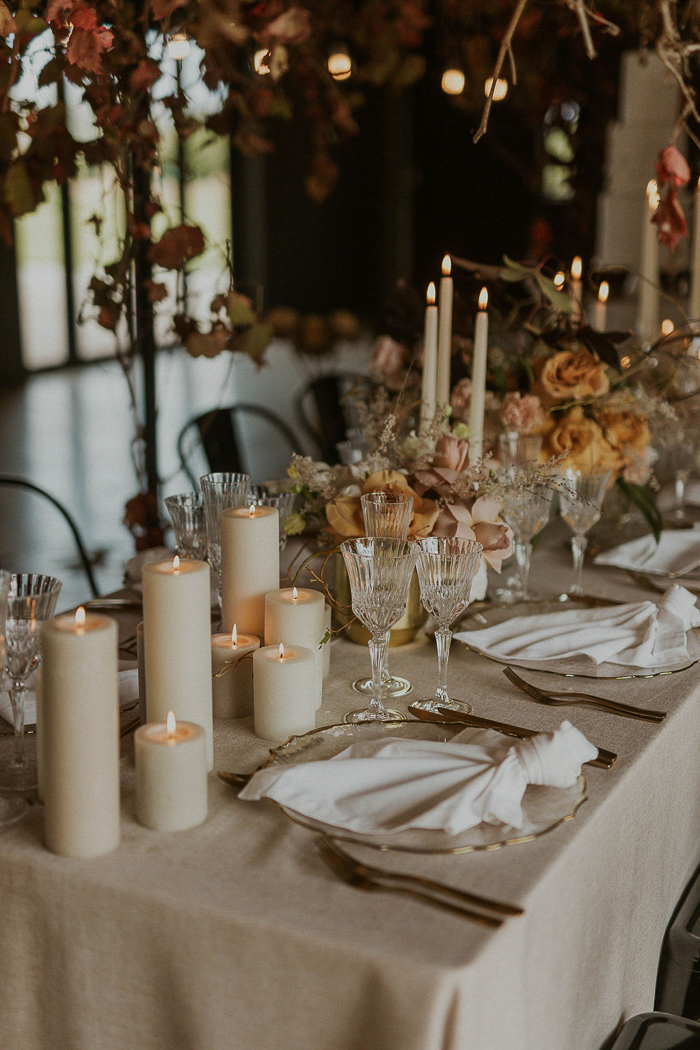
505, 49
579, 7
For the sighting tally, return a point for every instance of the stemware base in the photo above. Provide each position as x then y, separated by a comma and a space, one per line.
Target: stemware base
19, 779
365, 715
391, 687
434, 705
11, 811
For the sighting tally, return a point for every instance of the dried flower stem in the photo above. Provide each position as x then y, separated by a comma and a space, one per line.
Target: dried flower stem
505, 49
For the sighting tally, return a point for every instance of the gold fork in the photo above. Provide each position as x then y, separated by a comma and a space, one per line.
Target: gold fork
352, 874
555, 699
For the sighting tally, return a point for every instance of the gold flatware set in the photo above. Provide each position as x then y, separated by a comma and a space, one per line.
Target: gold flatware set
557, 699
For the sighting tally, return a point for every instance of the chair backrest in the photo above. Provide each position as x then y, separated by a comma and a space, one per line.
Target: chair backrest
327, 409
243, 437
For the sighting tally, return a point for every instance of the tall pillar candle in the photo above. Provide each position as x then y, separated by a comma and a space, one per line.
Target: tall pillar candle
478, 392
576, 288
171, 775
600, 309
177, 643
80, 728
430, 350
296, 616
285, 698
250, 566
694, 301
232, 673
648, 307
444, 353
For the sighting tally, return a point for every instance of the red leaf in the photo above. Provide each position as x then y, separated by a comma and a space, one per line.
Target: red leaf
672, 168
86, 47
145, 75
7, 22
177, 246
56, 10
670, 219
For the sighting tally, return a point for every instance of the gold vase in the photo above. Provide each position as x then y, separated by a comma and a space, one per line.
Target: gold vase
403, 631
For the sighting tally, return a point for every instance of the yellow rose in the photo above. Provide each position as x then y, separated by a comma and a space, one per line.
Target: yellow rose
570, 375
582, 442
344, 513
624, 428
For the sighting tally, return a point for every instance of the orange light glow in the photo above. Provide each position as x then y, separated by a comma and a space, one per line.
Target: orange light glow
483, 299
603, 292
170, 723
80, 617
251, 510
667, 326
576, 268
430, 294
176, 563
653, 197
446, 266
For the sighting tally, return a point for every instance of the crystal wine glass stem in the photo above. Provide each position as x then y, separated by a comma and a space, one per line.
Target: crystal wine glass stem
443, 637
377, 653
386, 677
18, 696
578, 547
523, 553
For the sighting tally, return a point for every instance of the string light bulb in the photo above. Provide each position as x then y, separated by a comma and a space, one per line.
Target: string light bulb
340, 64
499, 92
453, 82
179, 46
260, 61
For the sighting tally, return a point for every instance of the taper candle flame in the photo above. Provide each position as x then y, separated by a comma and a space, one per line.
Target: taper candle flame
653, 197
251, 510
170, 724
576, 268
295, 594
446, 266
234, 637
280, 651
430, 294
483, 299
558, 279
603, 292
80, 617
176, 563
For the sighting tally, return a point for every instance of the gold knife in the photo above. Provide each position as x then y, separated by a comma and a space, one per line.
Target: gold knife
605, 759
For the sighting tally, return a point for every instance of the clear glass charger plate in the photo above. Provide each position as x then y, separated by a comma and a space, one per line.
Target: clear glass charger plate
569, 666
544, 808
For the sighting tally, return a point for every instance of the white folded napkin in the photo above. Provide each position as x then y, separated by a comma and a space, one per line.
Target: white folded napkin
390, 785
678, 551
128, 694
640, 634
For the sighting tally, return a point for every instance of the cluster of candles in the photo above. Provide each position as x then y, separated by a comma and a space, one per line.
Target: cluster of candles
188, 677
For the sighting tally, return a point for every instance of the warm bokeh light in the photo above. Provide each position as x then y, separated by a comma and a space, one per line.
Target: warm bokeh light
179, 46
603, 292
559, 279
483, 299
653, 194
453, 81
259, 61
340, 65
446, 266
625, 362
80, 617
667, 326
430, 294
251, 510
576, 268
499, 92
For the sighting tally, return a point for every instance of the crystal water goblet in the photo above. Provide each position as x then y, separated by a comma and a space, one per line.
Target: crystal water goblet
446, 568
31, 600
284, 502
526, 510
12, 807
188, 517
379, 571
221, 490
580, 503
386, 514
518, 450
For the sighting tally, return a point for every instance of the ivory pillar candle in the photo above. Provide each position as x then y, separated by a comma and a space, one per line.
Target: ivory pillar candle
296, 616
177, 643
444, 352
648, 313
430, 350
600, 309
478, 392
576, 288
233, 690
694, 301
171, 775
250, 565
283, 684
80, 728
141, 670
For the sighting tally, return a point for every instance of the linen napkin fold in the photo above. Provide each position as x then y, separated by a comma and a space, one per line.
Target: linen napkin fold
639, 634
677, 551
128, 693
389, 785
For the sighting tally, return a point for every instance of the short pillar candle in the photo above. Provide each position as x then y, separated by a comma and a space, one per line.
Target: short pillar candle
232, 673
295, 616
177, 643
171, 775
285, 698
80, 729
250, 565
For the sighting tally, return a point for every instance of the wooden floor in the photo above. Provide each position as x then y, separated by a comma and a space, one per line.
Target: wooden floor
70, 432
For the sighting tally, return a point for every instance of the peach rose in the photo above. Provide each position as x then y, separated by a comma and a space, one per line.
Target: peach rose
582, 442
344, 513
387, 361
522, 412
624, 428
570, 375
451, 452
460, 398
481, 523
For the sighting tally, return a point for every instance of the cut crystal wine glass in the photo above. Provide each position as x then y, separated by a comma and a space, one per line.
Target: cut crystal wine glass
31, 600
188, 516
283, 501
386, 514
221, 490
446, 568
526, 510
12, 807
379, 571
580, 502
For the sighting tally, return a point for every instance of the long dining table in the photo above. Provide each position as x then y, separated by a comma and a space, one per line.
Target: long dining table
235, 936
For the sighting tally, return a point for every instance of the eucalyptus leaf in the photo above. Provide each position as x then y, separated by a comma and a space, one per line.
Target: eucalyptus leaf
643, 499
556, 297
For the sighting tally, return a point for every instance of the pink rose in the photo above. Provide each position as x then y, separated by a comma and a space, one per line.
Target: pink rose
522, 412
387, 361
459, 399
451, 452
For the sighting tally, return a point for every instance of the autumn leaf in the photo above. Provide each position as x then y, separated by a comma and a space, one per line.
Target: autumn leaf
86, 47
177, 246
206, 344
156, 292
239, 309
145, 75
257, 340
57, 10
7, 22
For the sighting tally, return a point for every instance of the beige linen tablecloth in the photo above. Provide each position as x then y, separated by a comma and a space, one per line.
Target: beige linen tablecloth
234, 935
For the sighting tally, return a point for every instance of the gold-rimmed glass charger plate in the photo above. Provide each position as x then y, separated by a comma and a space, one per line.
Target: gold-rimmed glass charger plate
569, 666
544, 808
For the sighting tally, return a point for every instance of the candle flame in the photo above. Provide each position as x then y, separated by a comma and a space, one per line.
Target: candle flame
280, 651
576, 268
603, 292
653, 195
558, 279
234, 637
430, 296
170, 723
176, 563
483, 299
446, 266
667, 326
251, 510
295, 593
80, 617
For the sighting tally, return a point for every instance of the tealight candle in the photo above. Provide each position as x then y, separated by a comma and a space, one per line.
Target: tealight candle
232, 689
171, 775
284, 693
177, 643
430, 345
444, 354
478, 392
295, 616
80, 731
250, 565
